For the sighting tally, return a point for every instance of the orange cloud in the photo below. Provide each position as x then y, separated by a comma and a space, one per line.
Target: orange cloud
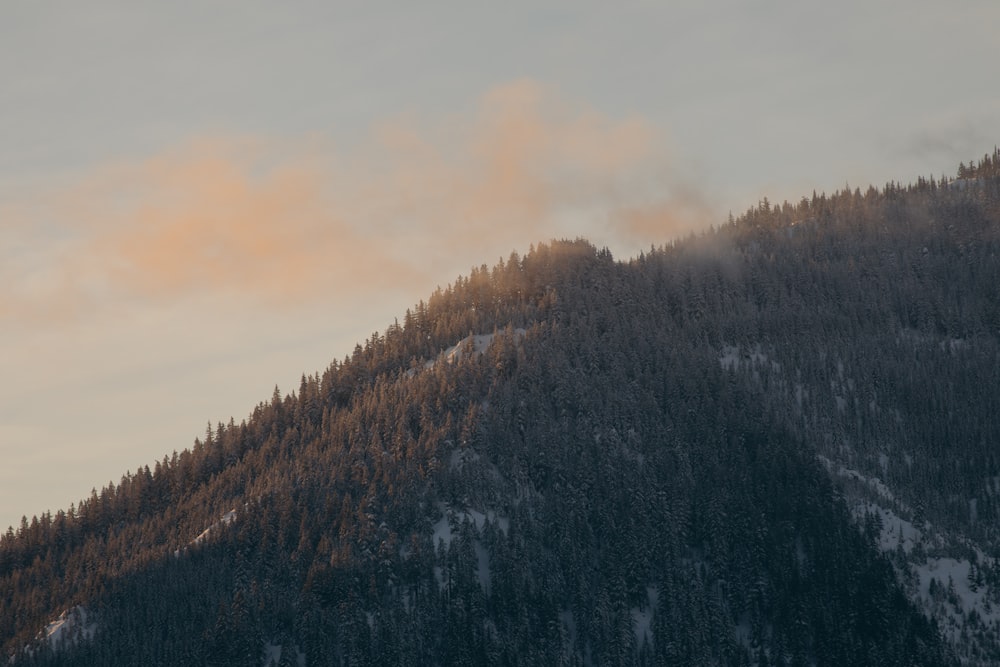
210, 216
515, 172
680, 210
289, 220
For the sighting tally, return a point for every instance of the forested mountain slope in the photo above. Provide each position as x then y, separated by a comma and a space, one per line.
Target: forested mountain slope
768, 444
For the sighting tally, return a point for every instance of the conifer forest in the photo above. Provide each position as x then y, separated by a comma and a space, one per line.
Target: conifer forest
776, 442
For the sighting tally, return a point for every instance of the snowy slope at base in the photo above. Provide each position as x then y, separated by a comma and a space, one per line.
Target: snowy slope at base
940, 572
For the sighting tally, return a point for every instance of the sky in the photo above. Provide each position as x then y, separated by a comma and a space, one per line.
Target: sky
200, 201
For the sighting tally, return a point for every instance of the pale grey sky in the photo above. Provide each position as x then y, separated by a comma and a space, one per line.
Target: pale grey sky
201, 200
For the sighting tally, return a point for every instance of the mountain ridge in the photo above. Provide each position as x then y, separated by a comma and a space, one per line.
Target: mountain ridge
634, 479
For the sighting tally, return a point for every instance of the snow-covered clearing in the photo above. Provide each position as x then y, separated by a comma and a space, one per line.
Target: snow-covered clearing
942, 573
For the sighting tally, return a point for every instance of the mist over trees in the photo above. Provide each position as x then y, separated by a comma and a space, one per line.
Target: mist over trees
650, 462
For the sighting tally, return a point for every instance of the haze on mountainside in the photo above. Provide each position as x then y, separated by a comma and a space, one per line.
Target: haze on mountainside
164, 285
771, 443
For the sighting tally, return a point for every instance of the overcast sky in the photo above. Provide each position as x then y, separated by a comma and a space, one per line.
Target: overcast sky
199, 201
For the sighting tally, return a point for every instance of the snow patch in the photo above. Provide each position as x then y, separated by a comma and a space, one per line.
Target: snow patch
566, 618
896, 532
473, 346
957, 596
733, 358
439, 576
874, 483
442, 532
951, 585
469, 347
272, 655
442, 529
953, 345
730, 359
72, 624
642, 618
482, 565
226, 519
743, 632
459, 458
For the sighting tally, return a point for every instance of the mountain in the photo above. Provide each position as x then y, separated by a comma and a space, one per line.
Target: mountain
775, 443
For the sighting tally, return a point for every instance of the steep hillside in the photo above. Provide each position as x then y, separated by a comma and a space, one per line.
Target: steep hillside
775, 443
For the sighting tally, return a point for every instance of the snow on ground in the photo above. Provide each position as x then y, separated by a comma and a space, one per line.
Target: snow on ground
743, 632
733, 357
482, 565
471, 346
956, 597
730, 358
642, 617
953, 345
71, 626
478, 343
940, 571
74, 625
874, 483
566, 617
446, 528
480, 520
461, 457
896, 531
226, 519
442, 529
272, 655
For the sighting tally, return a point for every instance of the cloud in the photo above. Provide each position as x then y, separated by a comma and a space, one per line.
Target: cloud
945, 138
288, 220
